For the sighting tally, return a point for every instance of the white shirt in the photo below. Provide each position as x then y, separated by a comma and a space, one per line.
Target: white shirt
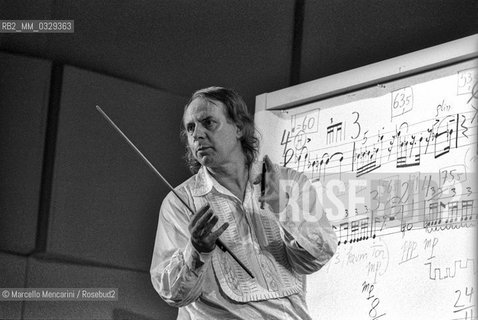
187, 279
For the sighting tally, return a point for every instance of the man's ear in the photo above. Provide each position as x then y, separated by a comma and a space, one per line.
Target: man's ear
239, 132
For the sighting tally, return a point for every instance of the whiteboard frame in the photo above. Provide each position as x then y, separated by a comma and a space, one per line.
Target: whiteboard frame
372, 74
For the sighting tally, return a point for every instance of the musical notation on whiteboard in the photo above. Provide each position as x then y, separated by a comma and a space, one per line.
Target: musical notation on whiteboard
401, 148
418, 159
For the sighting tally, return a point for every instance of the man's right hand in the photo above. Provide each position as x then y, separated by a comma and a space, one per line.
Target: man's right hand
200, 228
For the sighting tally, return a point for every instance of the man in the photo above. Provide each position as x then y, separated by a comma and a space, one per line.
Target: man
280, 235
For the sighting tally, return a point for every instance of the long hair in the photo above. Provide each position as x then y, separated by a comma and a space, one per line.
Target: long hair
236, 112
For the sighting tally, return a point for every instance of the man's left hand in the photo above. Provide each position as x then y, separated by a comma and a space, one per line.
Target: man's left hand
274, 196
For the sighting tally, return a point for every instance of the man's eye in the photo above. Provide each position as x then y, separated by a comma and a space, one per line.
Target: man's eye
208, 123
190, 128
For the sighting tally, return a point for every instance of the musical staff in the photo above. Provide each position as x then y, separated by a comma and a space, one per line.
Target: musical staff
432, 216
405, 148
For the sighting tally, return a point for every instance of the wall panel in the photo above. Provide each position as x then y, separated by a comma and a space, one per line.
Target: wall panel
105, 199
24, 94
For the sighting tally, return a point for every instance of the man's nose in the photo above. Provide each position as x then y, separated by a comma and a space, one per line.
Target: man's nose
198, 132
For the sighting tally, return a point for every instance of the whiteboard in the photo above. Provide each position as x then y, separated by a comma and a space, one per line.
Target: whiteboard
394, 165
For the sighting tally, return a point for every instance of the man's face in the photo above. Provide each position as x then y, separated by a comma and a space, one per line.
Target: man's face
213, 140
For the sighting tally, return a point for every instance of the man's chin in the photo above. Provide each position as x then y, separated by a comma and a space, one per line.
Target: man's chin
205, 160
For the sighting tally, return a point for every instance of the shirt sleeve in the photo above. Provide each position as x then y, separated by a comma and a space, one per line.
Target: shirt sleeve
307, 233
177, 268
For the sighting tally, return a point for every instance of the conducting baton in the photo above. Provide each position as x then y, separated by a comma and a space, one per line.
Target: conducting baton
219, 243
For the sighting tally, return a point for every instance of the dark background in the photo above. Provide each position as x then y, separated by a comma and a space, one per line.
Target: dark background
78, 208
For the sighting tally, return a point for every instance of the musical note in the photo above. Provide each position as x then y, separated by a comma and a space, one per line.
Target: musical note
368, 159
434, 215
404, 155
466, 209
431, 135
334, 132
447, 136
406, 222
355, 231
342, 227
364, 228
452, 212
373, 226
323, 165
